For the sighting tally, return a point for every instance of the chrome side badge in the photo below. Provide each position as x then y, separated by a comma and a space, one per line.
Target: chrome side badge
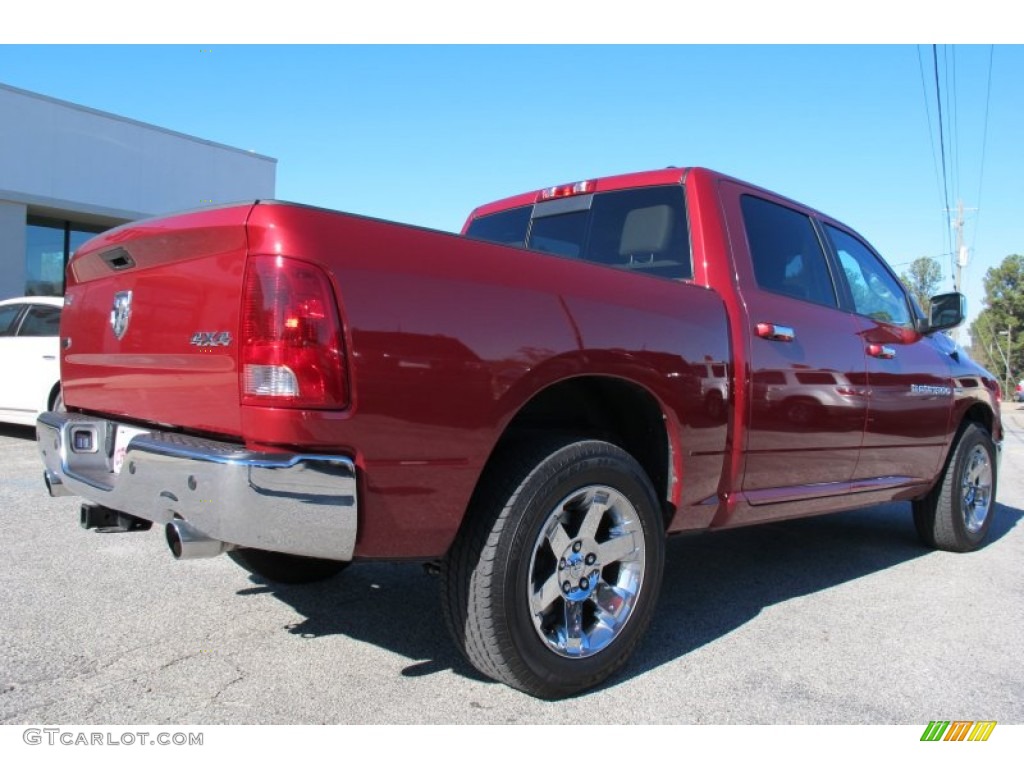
926, 389
121, 313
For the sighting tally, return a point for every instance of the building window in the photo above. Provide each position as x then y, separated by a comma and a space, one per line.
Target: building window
49, 244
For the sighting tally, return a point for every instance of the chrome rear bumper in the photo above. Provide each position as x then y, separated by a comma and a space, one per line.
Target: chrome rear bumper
283, 502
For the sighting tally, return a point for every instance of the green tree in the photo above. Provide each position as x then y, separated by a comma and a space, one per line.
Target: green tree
923, 279
1003, 312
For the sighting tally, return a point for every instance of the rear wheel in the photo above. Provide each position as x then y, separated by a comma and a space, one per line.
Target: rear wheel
957, 514
285, 568
553, 579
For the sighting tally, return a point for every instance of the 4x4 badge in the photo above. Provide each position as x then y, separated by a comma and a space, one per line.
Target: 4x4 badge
211, 339
121, 313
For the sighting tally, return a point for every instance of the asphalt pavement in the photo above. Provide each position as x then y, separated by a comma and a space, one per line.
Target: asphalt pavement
838, 619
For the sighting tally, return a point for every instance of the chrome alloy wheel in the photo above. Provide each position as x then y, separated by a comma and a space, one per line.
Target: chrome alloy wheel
976, 488
586, 571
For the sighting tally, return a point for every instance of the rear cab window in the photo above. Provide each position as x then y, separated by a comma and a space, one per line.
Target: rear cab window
641, 230
506, 227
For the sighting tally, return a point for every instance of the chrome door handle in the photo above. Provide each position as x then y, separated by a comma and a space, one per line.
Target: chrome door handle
881, 351
775, 332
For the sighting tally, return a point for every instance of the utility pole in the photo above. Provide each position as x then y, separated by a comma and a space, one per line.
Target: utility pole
961, 253
1009, 381
1006, 358
961, 249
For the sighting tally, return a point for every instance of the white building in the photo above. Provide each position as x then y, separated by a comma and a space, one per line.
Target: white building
68, 172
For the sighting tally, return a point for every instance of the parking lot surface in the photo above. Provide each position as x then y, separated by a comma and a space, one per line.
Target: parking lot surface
838, 619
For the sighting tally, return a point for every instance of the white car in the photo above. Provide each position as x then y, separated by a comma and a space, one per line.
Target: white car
30, 356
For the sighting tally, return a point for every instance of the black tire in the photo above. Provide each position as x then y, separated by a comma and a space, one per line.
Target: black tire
714, 406
802, 412
956, 515
530, 616
284, 568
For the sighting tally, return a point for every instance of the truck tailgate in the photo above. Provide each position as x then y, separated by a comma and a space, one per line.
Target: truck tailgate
151, 321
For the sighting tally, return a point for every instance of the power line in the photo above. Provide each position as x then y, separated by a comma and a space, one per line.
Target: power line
942, 143
947, 106
911, 261
943, 207
984, 141
928, 116
953, 125
952, 111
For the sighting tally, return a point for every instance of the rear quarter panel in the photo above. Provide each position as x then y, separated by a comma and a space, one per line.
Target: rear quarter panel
448, 338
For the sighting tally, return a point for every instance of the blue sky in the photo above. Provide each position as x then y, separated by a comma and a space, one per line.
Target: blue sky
424, 133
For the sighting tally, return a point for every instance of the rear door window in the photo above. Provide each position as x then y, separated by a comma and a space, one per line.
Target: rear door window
787, 255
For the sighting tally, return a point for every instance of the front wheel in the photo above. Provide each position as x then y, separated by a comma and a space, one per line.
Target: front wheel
957, 514
554, 578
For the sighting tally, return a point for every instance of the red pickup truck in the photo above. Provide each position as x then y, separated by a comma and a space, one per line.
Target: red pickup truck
535, 403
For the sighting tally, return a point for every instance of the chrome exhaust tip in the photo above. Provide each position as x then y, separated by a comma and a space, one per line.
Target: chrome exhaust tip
187, 543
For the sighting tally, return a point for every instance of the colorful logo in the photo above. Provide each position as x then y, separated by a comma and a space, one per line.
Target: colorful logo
958, 730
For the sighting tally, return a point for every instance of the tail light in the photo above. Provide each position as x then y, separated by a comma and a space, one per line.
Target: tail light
292, 347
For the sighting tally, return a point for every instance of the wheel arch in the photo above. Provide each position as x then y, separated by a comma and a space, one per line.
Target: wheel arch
51, 399
978, 413
601, 407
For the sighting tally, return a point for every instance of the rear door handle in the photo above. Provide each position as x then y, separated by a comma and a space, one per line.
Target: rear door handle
775, 332
881, 351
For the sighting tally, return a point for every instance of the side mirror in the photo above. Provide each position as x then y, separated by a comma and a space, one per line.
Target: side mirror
947, 310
